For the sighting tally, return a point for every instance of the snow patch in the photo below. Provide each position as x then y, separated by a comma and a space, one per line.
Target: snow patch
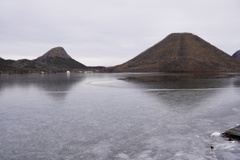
215, 134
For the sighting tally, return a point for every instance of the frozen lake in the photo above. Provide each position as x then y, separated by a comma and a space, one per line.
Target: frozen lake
113, 117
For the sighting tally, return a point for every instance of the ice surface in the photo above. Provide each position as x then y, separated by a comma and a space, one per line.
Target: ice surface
98, 117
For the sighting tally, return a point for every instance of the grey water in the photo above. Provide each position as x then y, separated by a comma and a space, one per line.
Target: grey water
122, 116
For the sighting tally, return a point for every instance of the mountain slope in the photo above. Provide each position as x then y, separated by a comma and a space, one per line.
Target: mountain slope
4, 65
180, 52
236, 55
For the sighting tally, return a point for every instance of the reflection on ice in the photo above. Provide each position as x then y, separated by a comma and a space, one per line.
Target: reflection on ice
182, 81
56, 86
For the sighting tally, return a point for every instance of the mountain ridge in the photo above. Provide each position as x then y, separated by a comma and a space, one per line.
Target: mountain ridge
177, 52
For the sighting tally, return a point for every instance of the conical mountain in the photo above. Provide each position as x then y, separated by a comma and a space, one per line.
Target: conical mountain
58, 58
236, 55
180, 52
55, 52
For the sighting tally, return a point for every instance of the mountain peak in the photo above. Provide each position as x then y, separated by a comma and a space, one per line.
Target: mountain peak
181, 34
55, 52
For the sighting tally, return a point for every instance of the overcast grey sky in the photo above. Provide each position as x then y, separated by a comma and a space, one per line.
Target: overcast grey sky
110, 32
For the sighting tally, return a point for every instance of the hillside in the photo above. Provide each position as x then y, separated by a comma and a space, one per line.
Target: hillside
180, 52
236, 55
4, 65
55, 60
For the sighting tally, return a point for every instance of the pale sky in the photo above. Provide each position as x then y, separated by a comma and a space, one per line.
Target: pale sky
110, 32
